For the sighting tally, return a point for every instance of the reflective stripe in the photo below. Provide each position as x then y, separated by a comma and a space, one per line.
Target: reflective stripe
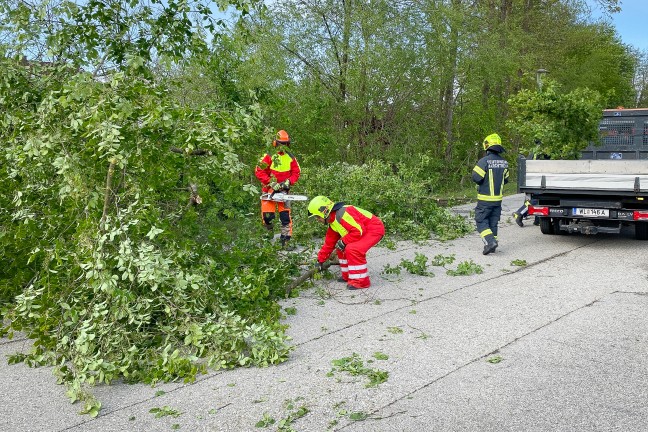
490, 198
358, 276
344, 269
349, 219
365, 213
479, 171
338, 228
343, 261
486, 232
491, 182
342, 215
501, 188
358, 267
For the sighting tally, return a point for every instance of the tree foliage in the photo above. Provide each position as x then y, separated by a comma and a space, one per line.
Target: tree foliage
557, 124
391, 80
128, 251
402, 200
104, 35
115, 270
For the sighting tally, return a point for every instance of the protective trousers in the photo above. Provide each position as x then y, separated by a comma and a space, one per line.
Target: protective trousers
353, 260
487, 215
268, 209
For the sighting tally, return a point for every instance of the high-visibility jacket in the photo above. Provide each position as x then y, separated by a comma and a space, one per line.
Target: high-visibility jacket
491, 174
282, 165
348, 223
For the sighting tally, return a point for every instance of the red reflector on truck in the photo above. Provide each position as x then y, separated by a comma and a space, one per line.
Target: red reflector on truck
544, 211
640, 215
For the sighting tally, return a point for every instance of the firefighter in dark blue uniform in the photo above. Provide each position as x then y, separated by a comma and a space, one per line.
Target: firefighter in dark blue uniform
491, 174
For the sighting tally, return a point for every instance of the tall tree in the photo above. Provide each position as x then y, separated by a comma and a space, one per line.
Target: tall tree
640, 81
394, 79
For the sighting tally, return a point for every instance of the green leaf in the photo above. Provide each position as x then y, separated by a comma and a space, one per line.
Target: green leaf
358, 416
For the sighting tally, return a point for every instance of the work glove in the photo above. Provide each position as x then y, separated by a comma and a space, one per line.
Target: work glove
285, 184
276, 186
340, 245
319, 266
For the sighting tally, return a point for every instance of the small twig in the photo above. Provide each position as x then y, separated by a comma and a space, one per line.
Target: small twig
423, 335
109, 176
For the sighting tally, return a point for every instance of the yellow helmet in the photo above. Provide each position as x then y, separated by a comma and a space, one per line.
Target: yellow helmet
320, 206
491, 140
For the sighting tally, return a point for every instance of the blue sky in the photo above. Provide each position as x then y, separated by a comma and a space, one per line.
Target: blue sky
631, 22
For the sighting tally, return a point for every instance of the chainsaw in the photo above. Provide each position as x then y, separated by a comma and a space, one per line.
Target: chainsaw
282, 197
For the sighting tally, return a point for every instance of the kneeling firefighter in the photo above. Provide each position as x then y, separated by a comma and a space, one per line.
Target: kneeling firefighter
352, 231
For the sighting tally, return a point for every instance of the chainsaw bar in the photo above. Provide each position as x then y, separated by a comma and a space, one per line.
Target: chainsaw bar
282, 197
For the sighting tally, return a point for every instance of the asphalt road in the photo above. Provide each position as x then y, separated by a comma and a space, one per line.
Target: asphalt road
558, 344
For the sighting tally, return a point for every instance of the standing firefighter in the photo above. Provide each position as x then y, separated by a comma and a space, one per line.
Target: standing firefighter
352, 231
278, 173
491, 174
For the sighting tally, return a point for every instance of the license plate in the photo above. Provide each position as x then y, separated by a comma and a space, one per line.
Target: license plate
577, 211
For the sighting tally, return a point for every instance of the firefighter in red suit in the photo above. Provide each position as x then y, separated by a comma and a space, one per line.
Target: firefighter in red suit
352, 231
278, 172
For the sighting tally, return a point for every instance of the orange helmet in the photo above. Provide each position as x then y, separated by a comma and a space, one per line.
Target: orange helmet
281, 138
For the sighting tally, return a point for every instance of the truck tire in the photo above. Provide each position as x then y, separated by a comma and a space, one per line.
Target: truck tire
556, 227
546, 226
641, 230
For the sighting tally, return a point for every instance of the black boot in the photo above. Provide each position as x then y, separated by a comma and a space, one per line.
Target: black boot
518, 219
285, 243
490, 246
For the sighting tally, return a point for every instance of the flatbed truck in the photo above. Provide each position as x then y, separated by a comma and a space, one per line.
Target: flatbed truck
600, 193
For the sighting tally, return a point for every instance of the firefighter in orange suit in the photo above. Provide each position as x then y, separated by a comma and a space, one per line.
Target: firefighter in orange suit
277, 173
352, 231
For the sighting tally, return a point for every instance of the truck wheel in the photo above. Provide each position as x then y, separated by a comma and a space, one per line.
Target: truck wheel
546, 226
641, 230
556, 227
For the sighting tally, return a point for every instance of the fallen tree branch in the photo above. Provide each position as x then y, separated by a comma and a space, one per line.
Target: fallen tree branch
196, 152
309, 274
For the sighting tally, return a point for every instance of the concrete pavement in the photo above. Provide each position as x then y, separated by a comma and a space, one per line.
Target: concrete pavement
559, 344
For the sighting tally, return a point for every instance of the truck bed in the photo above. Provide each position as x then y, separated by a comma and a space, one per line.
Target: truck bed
579, 176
